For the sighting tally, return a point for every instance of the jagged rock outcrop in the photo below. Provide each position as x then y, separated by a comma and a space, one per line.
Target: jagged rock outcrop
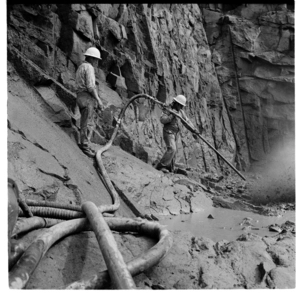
140, 54
164, 50
253, 52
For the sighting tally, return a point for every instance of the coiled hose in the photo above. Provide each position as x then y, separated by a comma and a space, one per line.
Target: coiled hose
119, 273
139, 264
20, 273
24, 225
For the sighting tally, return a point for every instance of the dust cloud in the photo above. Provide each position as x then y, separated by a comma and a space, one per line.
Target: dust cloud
275, 175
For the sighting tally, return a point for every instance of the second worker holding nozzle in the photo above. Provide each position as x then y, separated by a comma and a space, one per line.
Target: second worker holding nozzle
171, 130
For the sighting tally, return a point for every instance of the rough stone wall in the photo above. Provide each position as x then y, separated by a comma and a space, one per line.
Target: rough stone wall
184, 58
163, 50
253, 51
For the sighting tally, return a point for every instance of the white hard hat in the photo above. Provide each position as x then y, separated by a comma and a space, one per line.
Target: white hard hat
93, 52
180, 99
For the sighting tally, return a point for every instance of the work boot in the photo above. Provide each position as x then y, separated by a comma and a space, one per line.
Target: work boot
88, 151
180, 171
159, 166
162, 168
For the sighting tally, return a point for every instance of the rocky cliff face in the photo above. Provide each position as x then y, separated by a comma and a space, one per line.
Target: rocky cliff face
253, 52
234, 64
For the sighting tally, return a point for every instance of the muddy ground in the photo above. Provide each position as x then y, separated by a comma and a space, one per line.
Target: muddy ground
249, 262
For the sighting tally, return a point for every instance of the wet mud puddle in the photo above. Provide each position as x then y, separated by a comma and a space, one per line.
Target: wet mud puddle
226, 224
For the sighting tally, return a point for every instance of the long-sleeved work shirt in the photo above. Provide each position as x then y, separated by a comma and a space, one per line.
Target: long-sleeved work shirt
170, 121
85, 78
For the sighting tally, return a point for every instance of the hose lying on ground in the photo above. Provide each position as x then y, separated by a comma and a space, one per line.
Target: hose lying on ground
21, 272
49, 212
54, 210
27, 224
19, 247
139, 264
15, 253
52, 204
119, 274
24, 225
115, 197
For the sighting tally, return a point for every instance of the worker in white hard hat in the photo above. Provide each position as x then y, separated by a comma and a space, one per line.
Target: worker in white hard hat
171, 129
87, 97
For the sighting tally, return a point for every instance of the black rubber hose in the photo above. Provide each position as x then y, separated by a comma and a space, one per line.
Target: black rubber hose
117, 268
57, 213
22, 271
28, 224
108, 183
52, 204
140, 263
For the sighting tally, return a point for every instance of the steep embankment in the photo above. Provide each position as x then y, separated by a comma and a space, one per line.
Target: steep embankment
42, 159
161, 50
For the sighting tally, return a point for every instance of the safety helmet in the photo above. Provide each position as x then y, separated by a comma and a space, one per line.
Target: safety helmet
180, 99
93, 52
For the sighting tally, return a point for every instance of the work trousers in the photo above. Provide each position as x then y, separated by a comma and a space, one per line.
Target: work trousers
168, 159
86, 104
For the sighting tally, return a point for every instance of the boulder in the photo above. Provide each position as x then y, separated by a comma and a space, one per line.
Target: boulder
79, 46
133, 76
104, 8
282, 278
109, 96
274, 17
84, 25
61, 111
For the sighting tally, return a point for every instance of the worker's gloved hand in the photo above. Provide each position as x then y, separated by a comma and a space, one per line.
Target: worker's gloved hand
171, 116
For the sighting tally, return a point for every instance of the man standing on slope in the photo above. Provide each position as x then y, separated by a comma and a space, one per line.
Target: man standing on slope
170, 133
87, 97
